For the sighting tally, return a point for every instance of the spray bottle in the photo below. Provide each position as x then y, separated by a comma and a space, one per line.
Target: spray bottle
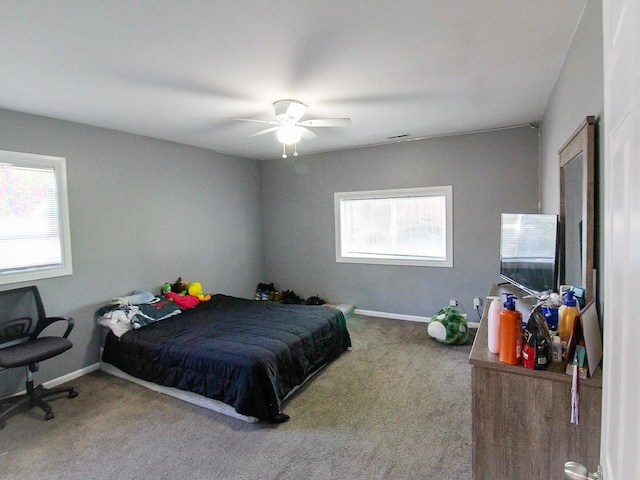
493, 318
566, 316
510, 332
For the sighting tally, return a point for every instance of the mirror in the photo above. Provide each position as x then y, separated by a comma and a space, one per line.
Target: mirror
577, 158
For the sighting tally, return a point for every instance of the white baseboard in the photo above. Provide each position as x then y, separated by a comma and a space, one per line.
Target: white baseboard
395, 316
65, 378
399, 316
71, 376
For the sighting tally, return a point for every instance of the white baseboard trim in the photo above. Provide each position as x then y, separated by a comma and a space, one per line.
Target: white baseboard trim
65, 378
399, 316
71, 376
394, 316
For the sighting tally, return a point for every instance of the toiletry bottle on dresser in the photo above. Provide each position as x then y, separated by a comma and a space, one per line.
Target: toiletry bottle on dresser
493, 320
510, 332
556, 349
566, 316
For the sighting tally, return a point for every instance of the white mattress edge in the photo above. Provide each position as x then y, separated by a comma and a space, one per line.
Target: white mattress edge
194, 398
190, 397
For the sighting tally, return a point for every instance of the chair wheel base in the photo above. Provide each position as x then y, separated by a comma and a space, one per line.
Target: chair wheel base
34, 398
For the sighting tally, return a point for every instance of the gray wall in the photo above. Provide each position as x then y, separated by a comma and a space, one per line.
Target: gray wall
579, 92
145, 211
490, 172
142, 212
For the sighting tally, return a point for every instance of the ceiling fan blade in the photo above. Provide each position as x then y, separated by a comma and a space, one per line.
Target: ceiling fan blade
307, 134
326, 122
268, 122
262, 132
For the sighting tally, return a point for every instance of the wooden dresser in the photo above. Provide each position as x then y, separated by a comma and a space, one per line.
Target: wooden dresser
521, 418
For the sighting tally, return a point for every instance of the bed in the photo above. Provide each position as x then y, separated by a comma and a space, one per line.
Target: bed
249, 355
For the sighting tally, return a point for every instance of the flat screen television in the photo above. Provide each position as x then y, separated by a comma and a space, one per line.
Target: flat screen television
529, 251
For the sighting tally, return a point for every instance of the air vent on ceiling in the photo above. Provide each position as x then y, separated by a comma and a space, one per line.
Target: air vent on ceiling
395, 137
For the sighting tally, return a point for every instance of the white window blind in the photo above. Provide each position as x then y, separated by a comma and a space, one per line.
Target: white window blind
399, 227
34, 226
522, 237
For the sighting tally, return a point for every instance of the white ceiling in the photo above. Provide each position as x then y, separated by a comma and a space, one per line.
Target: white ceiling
180, 69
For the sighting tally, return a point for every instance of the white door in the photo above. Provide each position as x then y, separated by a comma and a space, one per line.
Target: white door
620, 441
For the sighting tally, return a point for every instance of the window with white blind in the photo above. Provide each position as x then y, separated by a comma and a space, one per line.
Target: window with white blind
34, 217
411, 226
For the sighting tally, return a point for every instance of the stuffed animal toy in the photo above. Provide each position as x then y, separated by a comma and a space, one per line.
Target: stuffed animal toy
183, 301
180, 298
449, 326
178, 287
195, 290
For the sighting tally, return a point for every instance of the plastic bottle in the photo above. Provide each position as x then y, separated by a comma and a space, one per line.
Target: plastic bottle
510, 332
556, 349
566, 316
493, 318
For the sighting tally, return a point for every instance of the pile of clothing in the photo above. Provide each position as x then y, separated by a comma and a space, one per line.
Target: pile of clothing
135, 311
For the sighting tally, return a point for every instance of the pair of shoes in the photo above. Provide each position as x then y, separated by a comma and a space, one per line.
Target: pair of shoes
290, 297
275, 296
264, 291
267, 291
259, 290
316, 300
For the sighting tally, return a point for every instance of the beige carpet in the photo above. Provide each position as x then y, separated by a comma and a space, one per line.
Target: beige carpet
396, 407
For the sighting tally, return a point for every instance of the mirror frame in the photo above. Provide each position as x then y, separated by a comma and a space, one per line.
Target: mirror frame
582, 141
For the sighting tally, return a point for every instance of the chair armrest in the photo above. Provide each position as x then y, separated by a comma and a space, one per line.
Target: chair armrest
44, 323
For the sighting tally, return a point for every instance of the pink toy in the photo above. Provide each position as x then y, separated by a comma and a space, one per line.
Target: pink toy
183, 301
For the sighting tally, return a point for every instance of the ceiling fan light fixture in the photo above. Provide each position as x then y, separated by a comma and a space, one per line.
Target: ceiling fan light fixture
289, 134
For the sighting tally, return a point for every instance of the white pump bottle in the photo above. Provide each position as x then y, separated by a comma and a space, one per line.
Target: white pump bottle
493, 318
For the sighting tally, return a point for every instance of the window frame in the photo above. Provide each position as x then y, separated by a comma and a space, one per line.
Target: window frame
446, 191
59, 167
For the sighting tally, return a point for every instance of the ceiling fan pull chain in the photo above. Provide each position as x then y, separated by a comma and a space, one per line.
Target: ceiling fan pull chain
284, 150
295, 149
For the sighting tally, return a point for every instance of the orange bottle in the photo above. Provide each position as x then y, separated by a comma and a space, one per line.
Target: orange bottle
510, 332
567, 314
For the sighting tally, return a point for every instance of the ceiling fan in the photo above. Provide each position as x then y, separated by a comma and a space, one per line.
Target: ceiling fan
288, 127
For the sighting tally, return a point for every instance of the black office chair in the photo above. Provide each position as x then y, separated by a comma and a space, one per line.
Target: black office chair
22, 320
